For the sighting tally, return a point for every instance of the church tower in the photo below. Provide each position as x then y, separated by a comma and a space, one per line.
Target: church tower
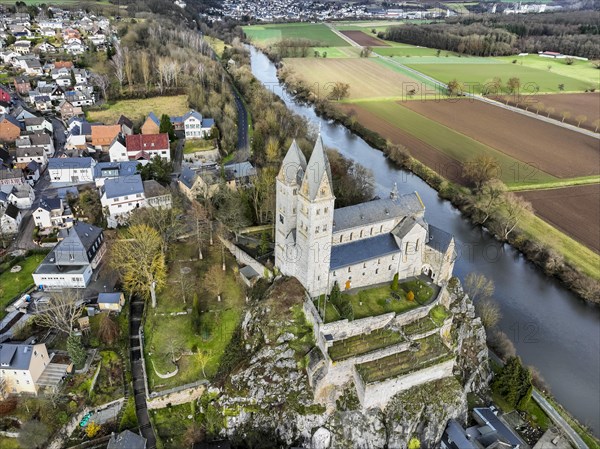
288, 184
315, 205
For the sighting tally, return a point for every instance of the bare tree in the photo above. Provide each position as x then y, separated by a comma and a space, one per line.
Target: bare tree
489, 312
101, 82
128, 67
201, 223
565, 115
166, 221
550, 110
214, 281
514, 209
62, 312
478, 286
108, 331
490, 198
118, 64
596, 124
581, 118
145, 68
480, 170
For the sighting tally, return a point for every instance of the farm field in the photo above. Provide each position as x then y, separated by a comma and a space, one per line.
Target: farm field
587, 104
406, 50
368, 78
582, 70
138, 109
573, 210
262, 35
336, 52
548, 148
367, 26
363, 39
435, 145
475, 76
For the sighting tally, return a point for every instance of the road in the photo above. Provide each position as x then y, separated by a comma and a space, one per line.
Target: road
551, 412
242, 119
139, 390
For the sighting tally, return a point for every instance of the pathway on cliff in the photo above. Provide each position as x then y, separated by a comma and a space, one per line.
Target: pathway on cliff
137, 370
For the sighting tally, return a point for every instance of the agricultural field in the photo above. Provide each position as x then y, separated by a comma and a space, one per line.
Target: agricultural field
368, 78
558, 105
336, 52
582, 70
363, 39
548, 148
262, 35
396, 50
367, 26
475, 76
138, 109
573, 210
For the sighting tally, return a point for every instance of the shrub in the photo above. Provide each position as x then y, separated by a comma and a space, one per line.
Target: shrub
414, 443
92, 429
395, 282
410, 296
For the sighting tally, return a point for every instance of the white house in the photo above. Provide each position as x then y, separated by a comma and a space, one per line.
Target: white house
73, 260
52, 213
147, 146
38, 124
22, 365
27, 154
117, 151
195, 126
121, 196
10, 219
42, 140
71, 170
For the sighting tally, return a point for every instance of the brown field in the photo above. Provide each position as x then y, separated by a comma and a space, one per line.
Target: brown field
558, 151
367, 78
573, 210
422, 151
364, 40
587, 104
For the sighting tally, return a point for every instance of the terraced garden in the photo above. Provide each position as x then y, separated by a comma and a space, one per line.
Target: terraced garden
363, 344
431, 352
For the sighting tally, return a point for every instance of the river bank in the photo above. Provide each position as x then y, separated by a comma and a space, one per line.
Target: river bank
550, 328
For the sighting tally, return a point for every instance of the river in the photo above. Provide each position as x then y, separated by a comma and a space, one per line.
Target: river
551, 327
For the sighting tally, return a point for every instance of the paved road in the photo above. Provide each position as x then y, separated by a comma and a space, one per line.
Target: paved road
242, 119
178, 156
139, 391
551, 412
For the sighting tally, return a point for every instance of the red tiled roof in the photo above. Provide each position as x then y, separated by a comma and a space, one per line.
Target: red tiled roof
147, 142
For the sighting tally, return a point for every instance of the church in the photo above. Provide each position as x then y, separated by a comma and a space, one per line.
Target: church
355, 246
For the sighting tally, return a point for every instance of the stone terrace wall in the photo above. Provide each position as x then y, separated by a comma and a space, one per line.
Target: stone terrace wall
244, 258
377, 394
176, 397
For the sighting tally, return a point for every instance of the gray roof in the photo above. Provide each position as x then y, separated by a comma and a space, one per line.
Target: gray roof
15, 356
123, 185
153, 189
60, 163
30, 151
293, 165
34, 121
455, 437
318, 168
240, 170
507, 434
109, 298
50, 204
106, 169
208, 122
362, 250
126, 440
12, 211
40, 139
438, 239
406, 225
72, 250
187, 177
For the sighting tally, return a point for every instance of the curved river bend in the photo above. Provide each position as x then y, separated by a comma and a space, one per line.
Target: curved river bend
551, 327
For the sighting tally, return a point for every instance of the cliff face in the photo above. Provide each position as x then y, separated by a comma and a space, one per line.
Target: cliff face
268, 399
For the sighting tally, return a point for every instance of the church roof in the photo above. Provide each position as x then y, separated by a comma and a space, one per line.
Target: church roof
318, 167
362, 250
438, 239
376, 211
293, 165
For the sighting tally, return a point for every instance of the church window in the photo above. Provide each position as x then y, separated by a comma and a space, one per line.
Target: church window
361, 233
371, 230
417, 245
323, 192
281, 218
318, 211
295, 191
334, 275
381, 228
349, 269
393, 257
316, 229
378, 261
351, 236
377, 271
365, 265
341, 238
390, 268
324, 228
294, 210
326, 210
363, 274
318, 278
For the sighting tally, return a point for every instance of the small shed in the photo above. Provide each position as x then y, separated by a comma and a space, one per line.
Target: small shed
111, 301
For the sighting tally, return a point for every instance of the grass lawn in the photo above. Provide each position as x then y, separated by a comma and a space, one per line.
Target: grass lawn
11, 284
317, 32
452, 143
474, 76
336, 52
406, 50
171, 423
362, 344
138, 109
431, 351
216, 44
535, 414
9, 443
194, 145
438, 314
419, 326
165, 335
581, 70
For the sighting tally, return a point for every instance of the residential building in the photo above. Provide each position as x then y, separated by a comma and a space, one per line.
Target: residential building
107, 170
20, 113
71, 263
10, 219
52, 214
21, 195
157, 195
31, 172
38, 124
21, 366
151, 125
126, 125
27, 154
358, 245
40, 139
10, 128
117, 152
206, 181
195, 126
112, 302
147, 146
67, 110
22, 85
103, 135
22, 47
71, 170
43, 103
121, 196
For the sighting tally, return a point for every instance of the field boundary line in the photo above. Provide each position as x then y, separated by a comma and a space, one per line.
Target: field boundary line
343, 36
554, 186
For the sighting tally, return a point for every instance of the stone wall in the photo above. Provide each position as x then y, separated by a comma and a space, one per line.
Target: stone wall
379, 393
176, 397
244, 258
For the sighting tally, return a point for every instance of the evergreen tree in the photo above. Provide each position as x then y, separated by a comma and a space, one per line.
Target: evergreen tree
395, 283
76, 350
167, 127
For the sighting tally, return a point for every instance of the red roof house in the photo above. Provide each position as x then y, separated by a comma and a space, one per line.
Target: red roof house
147, 146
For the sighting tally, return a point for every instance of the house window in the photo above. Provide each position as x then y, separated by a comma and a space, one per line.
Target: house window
361, 233
294, 210
349, 269
324, 228
377, 271
381, 228
334, 274
365, 265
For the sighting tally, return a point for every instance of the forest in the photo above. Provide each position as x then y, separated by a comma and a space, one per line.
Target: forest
574, 33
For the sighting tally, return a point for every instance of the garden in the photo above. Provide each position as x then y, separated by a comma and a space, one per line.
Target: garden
13, 282
363, 344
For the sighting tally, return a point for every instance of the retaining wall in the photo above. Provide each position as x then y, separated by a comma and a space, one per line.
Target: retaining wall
244, 258
175, 397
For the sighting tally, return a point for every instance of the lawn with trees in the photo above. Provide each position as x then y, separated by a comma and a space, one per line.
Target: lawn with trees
13, 283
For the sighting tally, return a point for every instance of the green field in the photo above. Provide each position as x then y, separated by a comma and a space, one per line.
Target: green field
406, 50
11, 284
477, 75
138, 109
336, 52
317, 32
581, 70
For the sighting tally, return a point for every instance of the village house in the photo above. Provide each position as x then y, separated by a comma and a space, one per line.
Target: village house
120, 196
156, 195
103, 135
21, 365
10, 128
107, 170
22, 47
67, 110
111, 302
206, 181
38, 124
21, 195
147, 146
126, 125
126, 440
43, 103
20, 113
38, 139
71, 263
22, 85
52, 214
117, 152
31, 172
194, 125
10, 219
25, 155
79, 98
151, 125
71, 170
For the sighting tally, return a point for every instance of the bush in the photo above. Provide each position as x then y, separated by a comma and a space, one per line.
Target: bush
410, 296
76, 350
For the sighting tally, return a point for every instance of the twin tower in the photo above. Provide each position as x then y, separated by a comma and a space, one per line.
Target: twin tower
304, 217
